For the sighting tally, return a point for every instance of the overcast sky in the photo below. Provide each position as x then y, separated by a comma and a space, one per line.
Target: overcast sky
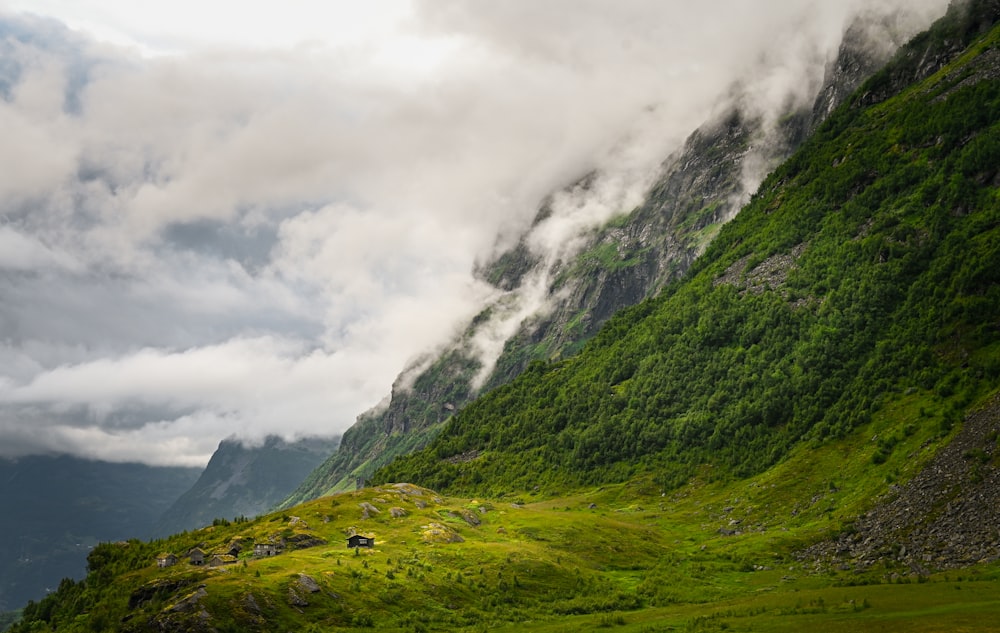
223, 217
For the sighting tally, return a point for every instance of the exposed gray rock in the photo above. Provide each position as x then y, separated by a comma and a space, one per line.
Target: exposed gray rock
945, 517
770, 274
307, 584
189, 602
303, 541
295, 599
438, 533
157, 588
408, 489
467, 516
250, 604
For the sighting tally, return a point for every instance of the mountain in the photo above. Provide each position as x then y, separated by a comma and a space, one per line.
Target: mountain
548, 306
65, 506
860, 275
245, 481
800, 433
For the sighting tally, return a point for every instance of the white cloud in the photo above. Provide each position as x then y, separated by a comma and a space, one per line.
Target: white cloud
248, 218
251, 387
25, 252
181, 25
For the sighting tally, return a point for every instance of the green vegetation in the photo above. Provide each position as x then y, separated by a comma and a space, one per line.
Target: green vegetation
9, 617
511, 267
675, 473
382, 434
626, 557
604, 257
865, 267
699, 229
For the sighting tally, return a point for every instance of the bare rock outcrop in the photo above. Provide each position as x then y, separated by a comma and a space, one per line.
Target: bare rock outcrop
946, 517
438, 533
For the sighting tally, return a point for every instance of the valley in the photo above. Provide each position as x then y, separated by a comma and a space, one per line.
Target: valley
800, 430
713, 555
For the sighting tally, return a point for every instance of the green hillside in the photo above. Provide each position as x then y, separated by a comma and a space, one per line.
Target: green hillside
628, 259
710, 556
864, 269
802, 434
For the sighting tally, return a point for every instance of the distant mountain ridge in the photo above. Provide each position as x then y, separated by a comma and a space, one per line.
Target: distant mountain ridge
631, 258
242, 480
65, 506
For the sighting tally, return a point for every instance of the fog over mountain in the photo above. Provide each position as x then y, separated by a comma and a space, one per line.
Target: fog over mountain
226, 220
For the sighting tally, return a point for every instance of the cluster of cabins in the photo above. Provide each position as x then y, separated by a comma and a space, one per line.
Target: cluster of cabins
227, 556
198, 556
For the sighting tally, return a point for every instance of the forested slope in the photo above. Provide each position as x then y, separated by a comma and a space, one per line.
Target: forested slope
825, 379
864, 267
700, 187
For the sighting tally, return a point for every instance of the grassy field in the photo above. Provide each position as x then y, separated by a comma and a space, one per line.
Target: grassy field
715, 555
936, 605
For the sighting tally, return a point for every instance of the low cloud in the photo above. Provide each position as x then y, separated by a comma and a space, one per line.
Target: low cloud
236, 239
116, 407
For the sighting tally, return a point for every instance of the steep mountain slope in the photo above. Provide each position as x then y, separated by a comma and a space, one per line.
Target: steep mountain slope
64, 506
864, 266
245, 481
804, 430
619, 264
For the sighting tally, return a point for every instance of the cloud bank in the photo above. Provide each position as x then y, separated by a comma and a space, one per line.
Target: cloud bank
251, 235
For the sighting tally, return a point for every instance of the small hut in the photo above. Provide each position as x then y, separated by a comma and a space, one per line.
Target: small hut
360, 541
166, 560
197, 556
235, 547
261, 550
218, 560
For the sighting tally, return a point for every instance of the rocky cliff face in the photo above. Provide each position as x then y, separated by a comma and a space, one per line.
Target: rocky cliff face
548, 307
931, 50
